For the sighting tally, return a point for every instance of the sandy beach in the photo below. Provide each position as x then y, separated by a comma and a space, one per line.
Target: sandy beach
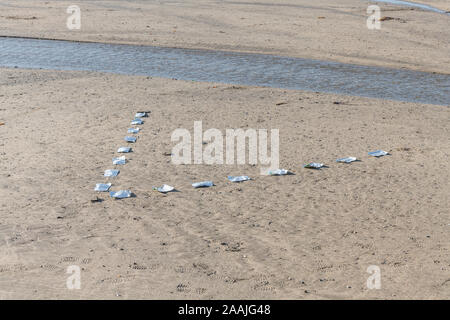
311, 235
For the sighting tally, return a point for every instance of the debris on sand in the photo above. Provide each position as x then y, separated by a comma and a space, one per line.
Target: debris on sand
130, 139
102, 187
134, 130
279, 172
346, 160
378, 153
314, 165
111, 173
96, 199
120, 194
119, 161
124, 150
137, 121
141, 114
238, 178
203, 184
164, 188
391, 18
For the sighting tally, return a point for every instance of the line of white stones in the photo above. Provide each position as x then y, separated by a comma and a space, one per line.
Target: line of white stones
104, 187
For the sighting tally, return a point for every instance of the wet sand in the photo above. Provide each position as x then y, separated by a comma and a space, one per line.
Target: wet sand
309, 235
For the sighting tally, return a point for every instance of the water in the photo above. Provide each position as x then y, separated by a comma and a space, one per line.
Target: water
228, 67
413, 4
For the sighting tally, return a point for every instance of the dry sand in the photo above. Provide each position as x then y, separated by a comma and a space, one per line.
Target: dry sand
440, 4
320, 29
309, 235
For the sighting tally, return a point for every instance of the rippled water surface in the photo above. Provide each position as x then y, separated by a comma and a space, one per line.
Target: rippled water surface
228, 67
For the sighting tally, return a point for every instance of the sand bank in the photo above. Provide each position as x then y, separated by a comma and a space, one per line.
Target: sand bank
309, 235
